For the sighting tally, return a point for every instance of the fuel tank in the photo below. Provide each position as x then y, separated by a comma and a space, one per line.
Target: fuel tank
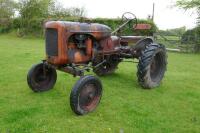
98, 31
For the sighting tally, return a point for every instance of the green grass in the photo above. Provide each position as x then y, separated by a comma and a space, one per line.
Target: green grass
173, 107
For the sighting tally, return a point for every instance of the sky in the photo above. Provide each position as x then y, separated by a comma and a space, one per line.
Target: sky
166, 17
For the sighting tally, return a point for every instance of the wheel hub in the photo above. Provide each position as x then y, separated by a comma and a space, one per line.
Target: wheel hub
89, 97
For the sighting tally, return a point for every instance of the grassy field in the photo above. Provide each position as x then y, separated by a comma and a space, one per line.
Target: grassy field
174, 107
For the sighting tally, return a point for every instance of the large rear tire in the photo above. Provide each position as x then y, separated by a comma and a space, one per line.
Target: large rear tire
41, 77
106, 68
152, 66
85, 95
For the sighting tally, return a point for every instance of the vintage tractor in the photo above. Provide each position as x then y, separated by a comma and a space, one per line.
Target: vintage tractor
74, 48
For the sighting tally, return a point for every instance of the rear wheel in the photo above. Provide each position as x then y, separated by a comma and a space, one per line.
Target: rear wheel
152, 66
41, 77
106, 68
85, 95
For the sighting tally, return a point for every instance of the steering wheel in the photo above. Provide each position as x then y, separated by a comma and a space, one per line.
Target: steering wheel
128, 16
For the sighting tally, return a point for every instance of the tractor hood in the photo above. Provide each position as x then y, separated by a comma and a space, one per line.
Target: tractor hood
95, 29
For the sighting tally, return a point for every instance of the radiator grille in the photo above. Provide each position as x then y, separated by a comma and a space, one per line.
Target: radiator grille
51, 42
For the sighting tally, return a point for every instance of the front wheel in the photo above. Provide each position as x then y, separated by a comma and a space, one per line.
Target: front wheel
41, 77
152, 66
85, 95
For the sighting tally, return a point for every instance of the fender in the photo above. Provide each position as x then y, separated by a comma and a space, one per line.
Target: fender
141, 44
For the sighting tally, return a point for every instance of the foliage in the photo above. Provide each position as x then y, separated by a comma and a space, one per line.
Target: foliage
191, 37
172, 42
114, 23
125, 107
77, 12
33, 8
7, 10
56, 10
34, 13
30, 12
190, 4
173, 32
36, 25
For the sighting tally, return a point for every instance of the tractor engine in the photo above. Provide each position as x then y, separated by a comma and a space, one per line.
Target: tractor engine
79, 49
71, 42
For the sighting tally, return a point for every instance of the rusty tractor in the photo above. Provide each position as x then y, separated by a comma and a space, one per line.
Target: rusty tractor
75, 47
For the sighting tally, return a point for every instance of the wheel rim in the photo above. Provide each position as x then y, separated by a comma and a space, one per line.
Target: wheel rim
157, 67
42, 77
89, 97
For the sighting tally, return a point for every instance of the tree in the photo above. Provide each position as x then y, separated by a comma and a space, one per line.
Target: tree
191, 36
173, 32
190, 4
7, 11
77, 12
32, 14
34, 8
56, 10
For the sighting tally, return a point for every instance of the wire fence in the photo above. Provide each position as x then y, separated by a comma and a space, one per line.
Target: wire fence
175, 43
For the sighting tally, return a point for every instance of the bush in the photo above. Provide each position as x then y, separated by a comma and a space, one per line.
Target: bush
191, 37
5, 25
7, 10
114, 23
35, 25
32, 26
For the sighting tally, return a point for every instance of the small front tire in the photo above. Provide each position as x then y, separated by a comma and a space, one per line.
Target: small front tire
85, 95
41, 77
